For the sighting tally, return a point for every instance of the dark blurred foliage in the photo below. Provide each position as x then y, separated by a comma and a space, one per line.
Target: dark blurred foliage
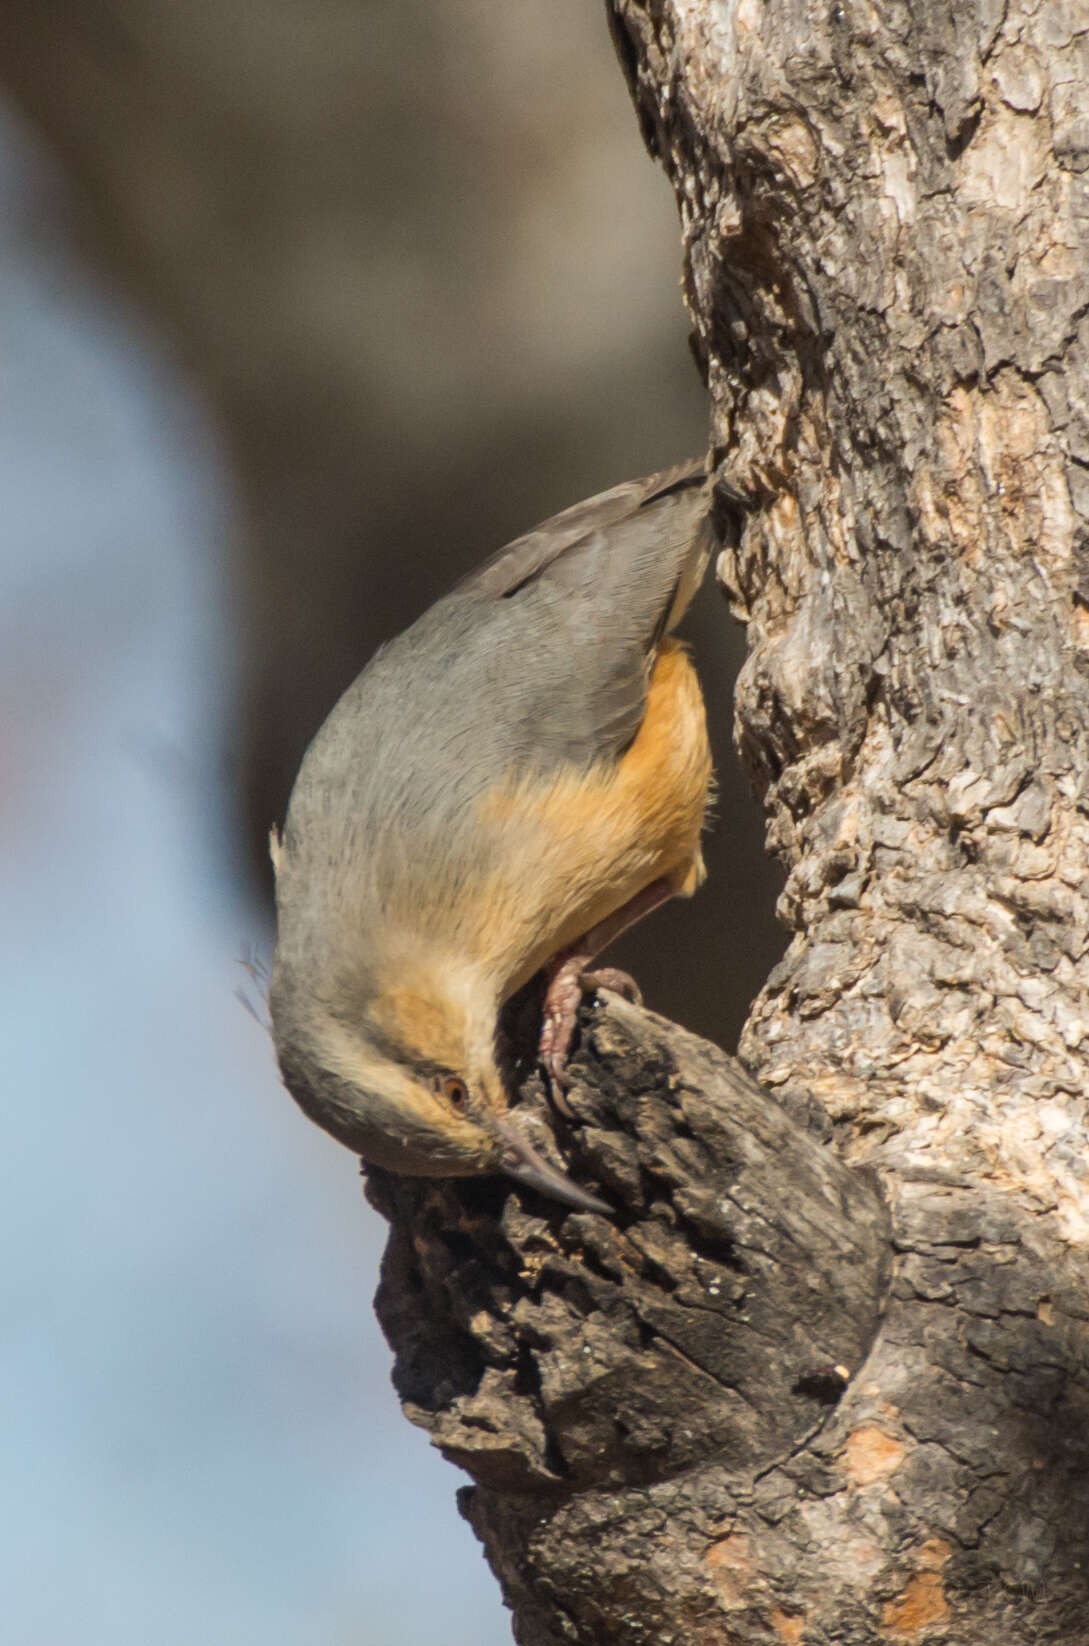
427, 279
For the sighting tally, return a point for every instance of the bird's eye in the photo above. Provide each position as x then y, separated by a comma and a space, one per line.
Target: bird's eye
455, 1092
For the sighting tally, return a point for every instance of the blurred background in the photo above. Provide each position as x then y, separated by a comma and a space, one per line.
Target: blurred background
304, 309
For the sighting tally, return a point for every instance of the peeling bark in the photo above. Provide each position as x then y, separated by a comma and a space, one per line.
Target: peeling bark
886, 225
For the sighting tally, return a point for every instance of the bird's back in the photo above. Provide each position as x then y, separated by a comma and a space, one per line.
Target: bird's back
538, 660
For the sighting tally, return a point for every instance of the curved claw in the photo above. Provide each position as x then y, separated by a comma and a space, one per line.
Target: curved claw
614, 981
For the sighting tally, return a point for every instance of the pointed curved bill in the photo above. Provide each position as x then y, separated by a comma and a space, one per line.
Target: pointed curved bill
525, 1165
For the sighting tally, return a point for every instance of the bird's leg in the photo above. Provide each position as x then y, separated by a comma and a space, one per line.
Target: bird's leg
568, 979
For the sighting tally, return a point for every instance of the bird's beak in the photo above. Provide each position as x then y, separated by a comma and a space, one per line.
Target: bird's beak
524, 1164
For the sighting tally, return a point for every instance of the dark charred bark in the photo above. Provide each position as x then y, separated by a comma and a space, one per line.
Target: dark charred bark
584, 1369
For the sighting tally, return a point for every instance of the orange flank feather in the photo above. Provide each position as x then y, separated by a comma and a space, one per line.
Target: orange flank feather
569, 852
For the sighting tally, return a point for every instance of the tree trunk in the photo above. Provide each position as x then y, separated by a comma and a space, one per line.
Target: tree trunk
725, 1418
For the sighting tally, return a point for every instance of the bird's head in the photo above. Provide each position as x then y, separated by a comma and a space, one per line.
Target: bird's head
407, 1077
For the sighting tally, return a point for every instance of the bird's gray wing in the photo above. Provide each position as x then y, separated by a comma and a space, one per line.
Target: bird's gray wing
539, 659
578, 605
634, 504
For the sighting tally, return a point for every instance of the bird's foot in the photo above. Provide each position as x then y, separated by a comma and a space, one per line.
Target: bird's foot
567, 983
568, 978
559, 1014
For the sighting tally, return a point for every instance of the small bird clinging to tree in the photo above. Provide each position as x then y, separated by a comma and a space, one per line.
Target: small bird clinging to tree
507, 785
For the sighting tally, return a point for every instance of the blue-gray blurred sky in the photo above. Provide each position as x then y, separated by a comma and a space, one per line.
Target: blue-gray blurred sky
199, 1439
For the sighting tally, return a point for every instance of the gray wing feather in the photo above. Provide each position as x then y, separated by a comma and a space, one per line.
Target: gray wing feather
540, 658
674, 491
596, 587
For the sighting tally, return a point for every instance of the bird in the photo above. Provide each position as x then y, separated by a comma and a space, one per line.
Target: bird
508, 784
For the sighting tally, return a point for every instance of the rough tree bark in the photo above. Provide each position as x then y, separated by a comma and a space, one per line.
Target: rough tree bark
886, 225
